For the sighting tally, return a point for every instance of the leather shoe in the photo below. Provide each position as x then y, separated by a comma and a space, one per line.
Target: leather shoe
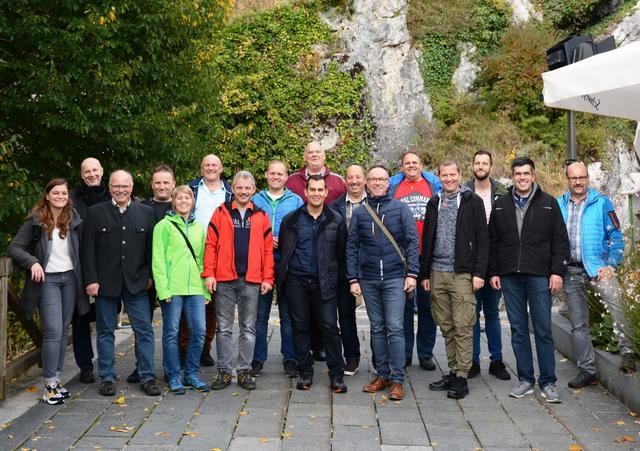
459, 388
443, 384
427, 364
107, 388
151, 388
376, 385
86, 375
474, 370
499, 370
338, 385
397, 391
133, 378
583, 379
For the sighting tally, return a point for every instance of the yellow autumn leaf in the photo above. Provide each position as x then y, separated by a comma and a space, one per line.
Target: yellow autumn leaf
244, 413
575, 447
191, 433
121, 428
32, 389
625, 438
163, 434
620, 423
287, 434
633, 414
596, 429
235, 393
434, 443
264, 440
119, 400
215, 449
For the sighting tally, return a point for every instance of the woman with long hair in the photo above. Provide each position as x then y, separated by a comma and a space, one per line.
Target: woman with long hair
178, 250
47, 246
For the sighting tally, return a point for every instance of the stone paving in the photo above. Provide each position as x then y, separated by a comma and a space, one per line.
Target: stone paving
276, 416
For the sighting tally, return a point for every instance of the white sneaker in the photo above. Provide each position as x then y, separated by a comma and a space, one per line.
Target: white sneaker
522, 389
52, 396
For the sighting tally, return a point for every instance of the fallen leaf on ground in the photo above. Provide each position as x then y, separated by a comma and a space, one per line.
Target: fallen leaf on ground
312, 416
235, 393
620, 423
215, 449
5, 425
434, 443
145, 409
163, 434
264, 440
596, 429
364, 426
633, 414
196, 413
574, 447
121, 428
32, 389
287, 434
35, 439
191, 433
604, 392
244, 413
119, 400
625, 438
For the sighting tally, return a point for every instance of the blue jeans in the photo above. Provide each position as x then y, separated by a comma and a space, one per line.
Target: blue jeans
137, 306
192, 307
262, 326
520, 291
488, 300
426, 336
56, 305
385, 301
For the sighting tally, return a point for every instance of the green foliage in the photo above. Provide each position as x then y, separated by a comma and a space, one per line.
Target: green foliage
571, 15
629, 278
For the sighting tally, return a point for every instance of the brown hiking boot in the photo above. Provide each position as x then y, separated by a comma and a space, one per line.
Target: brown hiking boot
377, 385
397, 391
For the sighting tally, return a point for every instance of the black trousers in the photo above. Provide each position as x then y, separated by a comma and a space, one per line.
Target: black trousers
303, 296
347, 318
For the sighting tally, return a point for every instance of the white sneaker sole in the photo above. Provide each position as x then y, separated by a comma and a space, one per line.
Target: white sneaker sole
351, 373
551, 401
528, 392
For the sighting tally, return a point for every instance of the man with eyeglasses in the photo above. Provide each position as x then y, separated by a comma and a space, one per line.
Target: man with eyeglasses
382, 265
116, 265
597, 247
529, 250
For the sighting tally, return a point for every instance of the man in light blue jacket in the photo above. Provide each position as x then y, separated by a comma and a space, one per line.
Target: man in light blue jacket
277, 202
597, 248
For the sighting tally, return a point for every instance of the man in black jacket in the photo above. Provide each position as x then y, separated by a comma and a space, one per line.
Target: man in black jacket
312, 240
528, 257
116, 263
91, 190
455, 250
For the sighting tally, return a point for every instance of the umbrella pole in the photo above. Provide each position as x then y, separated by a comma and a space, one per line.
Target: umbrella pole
571, 136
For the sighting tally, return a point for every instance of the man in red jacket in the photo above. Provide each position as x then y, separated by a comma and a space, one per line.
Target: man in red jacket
238, 266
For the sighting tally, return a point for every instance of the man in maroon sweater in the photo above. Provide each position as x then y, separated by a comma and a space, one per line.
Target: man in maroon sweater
314, 160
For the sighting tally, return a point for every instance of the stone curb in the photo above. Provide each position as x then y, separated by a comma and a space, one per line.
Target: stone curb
625, 387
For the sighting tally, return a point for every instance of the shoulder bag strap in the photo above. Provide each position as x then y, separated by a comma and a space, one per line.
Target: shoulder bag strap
186, 240
386, 232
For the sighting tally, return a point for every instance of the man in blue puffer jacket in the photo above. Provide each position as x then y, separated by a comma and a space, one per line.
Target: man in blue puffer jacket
378, 271
597, 248
277, 201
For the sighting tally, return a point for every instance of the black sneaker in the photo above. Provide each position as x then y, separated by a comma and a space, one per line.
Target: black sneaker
338, 385
107, 388
499, 370
223, 380
351, 366
427, 364
256, 367
133, 378
290, 368
443, 384
583, 379
150, 387
628, 363
319, 355
459, 388
246, 380
304, 382
206, 359
474, 370
86, 375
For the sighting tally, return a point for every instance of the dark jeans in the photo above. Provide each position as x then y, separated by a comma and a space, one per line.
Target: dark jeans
425, 337
347, 317
488, 300
82, 347
519, 292
303, 295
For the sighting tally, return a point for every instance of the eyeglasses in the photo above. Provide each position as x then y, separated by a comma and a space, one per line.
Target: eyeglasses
378, 179
120, 187
578, 179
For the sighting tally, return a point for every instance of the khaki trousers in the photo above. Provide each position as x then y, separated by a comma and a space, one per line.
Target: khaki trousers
453, 306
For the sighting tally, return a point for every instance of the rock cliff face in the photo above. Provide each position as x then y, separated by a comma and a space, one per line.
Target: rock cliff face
629, 29
377, 41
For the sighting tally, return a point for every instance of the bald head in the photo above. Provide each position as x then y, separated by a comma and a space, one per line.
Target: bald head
578, 180
211, 169
314, 157
91, 172
355, 179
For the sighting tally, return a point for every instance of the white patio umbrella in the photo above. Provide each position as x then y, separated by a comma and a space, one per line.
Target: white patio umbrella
607, 84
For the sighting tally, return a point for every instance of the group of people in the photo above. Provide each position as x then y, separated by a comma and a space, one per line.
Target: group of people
413, 240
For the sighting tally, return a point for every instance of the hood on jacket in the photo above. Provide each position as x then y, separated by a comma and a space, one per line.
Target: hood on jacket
592, 195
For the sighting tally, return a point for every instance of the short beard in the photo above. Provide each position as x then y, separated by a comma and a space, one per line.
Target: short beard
479, 177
